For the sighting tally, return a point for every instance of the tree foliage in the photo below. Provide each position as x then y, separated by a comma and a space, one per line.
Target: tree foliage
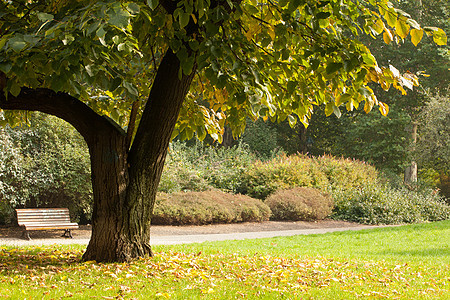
262, 59
433, 147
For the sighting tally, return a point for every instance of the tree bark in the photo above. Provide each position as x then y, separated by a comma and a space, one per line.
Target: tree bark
124, 182
127, 221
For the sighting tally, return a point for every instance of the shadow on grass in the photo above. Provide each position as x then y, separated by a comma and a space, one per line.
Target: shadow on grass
15, 261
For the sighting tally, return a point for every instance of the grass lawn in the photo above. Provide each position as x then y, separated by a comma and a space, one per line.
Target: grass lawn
405, 262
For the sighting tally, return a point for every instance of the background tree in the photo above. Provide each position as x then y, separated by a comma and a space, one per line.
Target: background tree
46, 164
387, 144
433, 146
95, 64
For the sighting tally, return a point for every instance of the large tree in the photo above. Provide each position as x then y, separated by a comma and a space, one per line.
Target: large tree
110, 67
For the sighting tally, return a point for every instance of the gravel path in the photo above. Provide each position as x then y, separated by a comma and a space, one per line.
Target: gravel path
169, 235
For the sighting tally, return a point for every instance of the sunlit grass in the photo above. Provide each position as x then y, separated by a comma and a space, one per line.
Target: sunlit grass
394, 263
419, 242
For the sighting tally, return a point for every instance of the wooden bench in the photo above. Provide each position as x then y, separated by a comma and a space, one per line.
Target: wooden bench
44, 219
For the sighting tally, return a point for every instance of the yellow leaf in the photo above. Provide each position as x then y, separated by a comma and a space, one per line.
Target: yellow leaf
384, 108
439, 37
252, 30
329, 108
378, 26
368, 106
416, 36
271, 32
387, 36
194, 18
391, 17
402, 28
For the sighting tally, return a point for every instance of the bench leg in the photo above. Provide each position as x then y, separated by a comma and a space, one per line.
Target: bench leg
26, 235
67, 234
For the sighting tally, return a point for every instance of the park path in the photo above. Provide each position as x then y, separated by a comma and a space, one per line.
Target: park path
192, 234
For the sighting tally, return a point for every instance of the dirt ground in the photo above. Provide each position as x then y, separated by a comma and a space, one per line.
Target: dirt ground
85, 230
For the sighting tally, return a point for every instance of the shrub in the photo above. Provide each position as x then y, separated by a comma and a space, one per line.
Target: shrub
384, 205
197, 208
264, 178
45, 165
199, 168
300, 204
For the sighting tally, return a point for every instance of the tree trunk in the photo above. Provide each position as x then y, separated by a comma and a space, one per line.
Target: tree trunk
303, 146
125, 187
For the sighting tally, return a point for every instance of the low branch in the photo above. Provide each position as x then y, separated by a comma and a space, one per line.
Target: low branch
87, 122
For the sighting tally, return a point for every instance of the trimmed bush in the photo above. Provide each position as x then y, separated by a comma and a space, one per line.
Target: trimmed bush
264, 178
300, 204
383, 205
208, 207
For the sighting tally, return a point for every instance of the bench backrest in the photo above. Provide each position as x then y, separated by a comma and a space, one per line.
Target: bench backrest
42, 215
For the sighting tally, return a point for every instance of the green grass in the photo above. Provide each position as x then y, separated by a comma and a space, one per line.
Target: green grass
407, 262
409, 243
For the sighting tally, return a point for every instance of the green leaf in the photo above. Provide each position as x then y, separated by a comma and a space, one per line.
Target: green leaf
184, 19
314, 64
115, 82
17, 44
152, 3
201, 133
333, 67
188, 64
119, 18
251, 9
15, 89
130, 88
293, 4
68, 39
439, 37
3, 42
291, 87
391, 18
133, 8
5, 67
100, 32
283, 3
369, 59
44, 17
323, 15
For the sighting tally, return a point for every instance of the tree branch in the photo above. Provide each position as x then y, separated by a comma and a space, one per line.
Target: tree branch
87, 122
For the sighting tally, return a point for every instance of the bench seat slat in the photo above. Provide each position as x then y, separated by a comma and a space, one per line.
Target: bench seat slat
46, 227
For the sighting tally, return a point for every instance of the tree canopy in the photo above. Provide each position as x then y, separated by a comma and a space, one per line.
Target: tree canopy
252, 58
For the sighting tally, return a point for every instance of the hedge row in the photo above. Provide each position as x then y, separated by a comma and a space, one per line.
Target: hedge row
199, 208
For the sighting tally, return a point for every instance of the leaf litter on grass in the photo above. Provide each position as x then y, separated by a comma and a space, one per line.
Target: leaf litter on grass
57, 273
